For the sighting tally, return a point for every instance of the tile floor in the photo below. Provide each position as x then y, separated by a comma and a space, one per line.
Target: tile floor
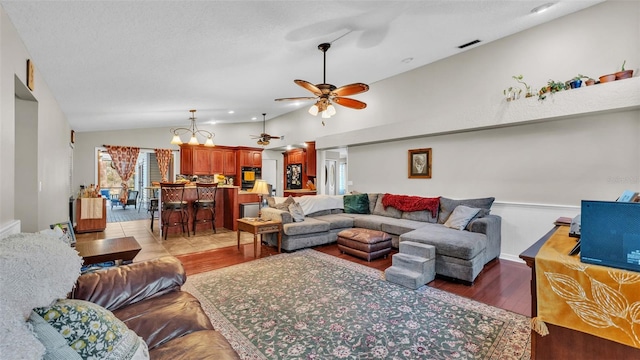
153, 245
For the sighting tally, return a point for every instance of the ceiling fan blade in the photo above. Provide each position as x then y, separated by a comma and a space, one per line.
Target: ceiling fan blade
309, 86
296, 98
350, 89
350, 103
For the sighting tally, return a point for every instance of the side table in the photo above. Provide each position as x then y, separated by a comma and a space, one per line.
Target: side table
258, 226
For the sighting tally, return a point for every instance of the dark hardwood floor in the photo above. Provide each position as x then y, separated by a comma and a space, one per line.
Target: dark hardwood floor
503, 284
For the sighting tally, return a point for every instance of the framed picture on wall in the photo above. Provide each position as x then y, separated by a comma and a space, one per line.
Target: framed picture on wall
420, 163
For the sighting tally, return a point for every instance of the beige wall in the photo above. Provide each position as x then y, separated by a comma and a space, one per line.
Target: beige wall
51, 133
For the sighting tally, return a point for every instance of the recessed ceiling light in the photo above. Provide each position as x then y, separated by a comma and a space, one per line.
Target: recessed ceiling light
254, 118
231, 111
541, 8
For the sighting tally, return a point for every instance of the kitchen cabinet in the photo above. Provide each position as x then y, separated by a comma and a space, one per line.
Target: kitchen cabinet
217, 161
186, 160
201, 161
311, 158
229, 162
250, 158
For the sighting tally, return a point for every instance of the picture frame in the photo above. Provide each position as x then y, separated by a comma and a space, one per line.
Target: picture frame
420, 163
67, 229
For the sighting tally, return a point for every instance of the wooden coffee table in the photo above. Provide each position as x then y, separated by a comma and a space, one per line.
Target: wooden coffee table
115, 249
259, 227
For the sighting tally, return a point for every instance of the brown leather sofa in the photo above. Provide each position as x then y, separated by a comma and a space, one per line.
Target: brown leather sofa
147, 297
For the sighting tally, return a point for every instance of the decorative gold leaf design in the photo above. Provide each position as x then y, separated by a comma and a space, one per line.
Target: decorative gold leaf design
576, 266
566, 287
610, 300
634, 312
624, 277
590, 313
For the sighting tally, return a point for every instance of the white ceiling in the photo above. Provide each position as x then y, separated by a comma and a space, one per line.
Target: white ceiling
140, 64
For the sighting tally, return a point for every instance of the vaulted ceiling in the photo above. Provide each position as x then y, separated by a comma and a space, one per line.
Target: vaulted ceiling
140, 64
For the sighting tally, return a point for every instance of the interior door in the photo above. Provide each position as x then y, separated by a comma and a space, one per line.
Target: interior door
330, 178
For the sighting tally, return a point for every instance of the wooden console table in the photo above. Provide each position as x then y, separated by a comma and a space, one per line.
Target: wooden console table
259, 227
564, 343
115, 249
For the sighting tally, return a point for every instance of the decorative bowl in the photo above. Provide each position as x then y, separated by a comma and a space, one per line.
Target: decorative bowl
607, 78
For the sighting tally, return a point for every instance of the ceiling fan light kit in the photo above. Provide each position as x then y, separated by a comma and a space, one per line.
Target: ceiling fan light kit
264, 138
327, 94
193, 129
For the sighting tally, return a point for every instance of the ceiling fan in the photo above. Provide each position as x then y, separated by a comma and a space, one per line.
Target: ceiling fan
326, 94
264, 138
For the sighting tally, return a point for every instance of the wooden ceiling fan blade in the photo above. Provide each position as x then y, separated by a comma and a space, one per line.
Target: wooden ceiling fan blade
309, 86
296, 98
350, 103
351, 89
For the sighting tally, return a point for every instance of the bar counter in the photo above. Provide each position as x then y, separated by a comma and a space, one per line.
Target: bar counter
228, 200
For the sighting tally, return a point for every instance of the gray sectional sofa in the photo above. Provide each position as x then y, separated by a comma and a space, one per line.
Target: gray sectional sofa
460, 254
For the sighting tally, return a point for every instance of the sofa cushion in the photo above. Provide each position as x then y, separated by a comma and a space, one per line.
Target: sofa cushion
356, 204
308, 226
162, 318
389, 211
457, 244
448, 205
400, 226
208, 344
460, 217
337, 221
422, 215
373, 200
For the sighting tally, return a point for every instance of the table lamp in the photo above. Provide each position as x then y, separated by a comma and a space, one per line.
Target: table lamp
261, 188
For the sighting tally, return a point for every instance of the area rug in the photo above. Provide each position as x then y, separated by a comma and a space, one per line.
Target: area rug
310, 305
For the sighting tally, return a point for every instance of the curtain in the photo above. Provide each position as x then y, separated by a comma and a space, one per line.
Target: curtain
164, 159
124, 159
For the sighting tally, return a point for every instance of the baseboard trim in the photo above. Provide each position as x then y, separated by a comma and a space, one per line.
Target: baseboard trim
10, 227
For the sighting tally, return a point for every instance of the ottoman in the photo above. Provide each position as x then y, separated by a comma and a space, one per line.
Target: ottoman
364, 243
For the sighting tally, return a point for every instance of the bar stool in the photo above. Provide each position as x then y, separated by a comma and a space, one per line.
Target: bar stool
172, 196
206, 201
153, 207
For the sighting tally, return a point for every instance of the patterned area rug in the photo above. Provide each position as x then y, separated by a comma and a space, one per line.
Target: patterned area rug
316, 306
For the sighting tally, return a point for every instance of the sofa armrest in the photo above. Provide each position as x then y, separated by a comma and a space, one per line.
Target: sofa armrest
491, 226
276, 215
120, 286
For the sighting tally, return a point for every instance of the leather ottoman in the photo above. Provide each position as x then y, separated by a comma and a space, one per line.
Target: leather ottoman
364, 243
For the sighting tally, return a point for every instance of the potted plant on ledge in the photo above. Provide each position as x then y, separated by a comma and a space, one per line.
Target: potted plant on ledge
551, 87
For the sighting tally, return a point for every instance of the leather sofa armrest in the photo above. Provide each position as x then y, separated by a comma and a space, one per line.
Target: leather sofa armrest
116, 287
277, 215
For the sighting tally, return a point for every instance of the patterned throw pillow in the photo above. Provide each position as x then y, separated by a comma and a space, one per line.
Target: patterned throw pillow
356, 204
296, 212
285, 205
460, 217
93, 331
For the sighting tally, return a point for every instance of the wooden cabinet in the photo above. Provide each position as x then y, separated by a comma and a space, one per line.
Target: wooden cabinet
201, 161
186, 160
217, 161
250, 158
311, 158
296, 156
229, 162
91, 224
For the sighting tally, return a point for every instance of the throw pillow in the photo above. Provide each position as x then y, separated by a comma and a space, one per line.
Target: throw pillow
356, 204
93, 331
296, 212
285, 205
448, 205
460, 217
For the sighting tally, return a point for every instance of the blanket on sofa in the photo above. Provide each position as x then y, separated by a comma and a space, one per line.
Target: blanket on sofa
315, 203
411, 203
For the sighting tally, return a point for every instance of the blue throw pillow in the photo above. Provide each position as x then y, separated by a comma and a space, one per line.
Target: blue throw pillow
356, 204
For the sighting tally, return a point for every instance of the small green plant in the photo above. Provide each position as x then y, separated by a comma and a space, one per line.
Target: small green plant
551, 87
519, 78
512, 93
624, 62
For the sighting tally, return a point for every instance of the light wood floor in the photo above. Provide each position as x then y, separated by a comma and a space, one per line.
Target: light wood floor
504, 284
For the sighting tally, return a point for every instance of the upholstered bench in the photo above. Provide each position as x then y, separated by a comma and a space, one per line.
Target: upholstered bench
364, 243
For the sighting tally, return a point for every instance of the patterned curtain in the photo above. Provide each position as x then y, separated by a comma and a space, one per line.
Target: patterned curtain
164, 159
124, 159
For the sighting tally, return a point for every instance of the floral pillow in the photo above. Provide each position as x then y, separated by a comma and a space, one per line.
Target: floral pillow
93, 331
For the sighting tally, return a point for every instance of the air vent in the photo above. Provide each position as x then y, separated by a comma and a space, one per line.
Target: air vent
468, 44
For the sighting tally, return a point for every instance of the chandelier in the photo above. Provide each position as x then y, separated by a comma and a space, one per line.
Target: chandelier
193, 129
